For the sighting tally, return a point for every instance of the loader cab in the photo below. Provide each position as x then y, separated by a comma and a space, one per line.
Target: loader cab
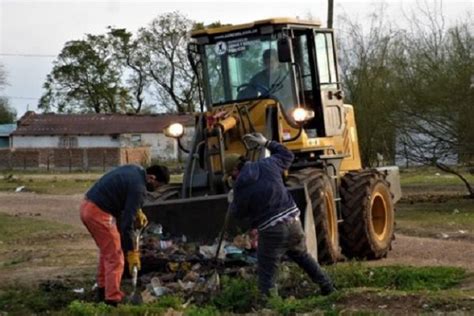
288, 60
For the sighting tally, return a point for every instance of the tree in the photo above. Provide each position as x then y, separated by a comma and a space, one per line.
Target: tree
7, 114
131, 53
165, 40
434, 69
85, 78
367, 77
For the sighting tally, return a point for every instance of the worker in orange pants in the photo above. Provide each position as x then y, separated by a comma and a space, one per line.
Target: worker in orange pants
103, 228
119, 194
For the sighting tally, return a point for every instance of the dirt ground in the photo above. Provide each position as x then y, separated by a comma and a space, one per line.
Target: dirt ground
406, 249
59, 208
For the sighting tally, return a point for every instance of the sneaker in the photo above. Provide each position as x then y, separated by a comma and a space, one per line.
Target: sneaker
327, 290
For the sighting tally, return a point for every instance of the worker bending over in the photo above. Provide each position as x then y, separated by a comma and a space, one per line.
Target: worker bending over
117, 197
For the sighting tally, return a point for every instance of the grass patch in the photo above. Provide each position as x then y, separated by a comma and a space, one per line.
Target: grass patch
403, 278
431, 176
48, 296
454, 217
291, 305
47, 186
237, 295
52, 183
14, 228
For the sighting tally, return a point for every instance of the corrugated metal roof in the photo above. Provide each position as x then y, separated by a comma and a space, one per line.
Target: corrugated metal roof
96, 124
6, 129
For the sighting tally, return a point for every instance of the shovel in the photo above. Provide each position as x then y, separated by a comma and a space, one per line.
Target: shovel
135, 298
221, 236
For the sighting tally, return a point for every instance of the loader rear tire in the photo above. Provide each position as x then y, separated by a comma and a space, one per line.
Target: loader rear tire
368, 215
321, 195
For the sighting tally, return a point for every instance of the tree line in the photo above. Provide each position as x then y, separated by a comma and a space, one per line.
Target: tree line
122, 72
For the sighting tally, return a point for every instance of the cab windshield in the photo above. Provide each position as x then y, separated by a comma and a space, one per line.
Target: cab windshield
246, 68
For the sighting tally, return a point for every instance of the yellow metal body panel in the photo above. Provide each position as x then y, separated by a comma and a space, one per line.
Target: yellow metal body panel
238, 27
345, 144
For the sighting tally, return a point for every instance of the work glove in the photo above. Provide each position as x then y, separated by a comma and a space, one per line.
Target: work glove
140, 219
230, 196
257, 138
133, 260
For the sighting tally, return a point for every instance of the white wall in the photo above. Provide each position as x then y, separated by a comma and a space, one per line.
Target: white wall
34, 141
97, 141
161, 147
53, 141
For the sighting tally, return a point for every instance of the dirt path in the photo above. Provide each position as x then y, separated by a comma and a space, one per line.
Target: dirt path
406, 249
418, 251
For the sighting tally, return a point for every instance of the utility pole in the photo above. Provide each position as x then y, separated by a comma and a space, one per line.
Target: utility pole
330, 13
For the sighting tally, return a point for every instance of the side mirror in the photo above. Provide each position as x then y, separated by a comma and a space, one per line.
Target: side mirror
284, 50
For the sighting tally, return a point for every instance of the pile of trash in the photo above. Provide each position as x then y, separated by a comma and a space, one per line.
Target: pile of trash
172, 265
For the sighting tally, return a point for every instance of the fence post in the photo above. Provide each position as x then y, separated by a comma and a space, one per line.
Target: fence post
70, 161
103, 160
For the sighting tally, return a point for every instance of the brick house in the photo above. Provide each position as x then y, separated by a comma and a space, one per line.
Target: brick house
87, 141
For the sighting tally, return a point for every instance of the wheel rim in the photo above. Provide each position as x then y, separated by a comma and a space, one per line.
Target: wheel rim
379, 215
330, 217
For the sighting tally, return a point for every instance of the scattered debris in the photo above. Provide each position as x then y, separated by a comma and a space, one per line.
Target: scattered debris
79, 290
170, 265
20, 189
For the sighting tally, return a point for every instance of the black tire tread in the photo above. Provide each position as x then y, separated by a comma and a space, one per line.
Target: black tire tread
354, 232
315, 180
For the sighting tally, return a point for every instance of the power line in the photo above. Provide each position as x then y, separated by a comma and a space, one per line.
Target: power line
28, 55
19, 98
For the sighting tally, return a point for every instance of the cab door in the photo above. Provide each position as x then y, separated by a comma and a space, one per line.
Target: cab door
330, 88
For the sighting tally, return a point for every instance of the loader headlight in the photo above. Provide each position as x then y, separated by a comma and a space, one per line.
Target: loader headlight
175, 130
301, 115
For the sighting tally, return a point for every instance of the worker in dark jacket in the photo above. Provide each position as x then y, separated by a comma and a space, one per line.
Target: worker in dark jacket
118, 197
260, 195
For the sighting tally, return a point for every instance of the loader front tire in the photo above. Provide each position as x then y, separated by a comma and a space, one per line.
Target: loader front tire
368, 215
321, 196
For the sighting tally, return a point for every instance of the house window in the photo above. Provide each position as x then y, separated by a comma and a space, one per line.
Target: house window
68, 142
136, 139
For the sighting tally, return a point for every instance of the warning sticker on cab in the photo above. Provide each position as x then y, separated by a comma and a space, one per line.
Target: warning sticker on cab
238, 45
220, 48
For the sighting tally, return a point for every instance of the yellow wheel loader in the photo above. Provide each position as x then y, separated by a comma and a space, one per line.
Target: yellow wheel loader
279, 77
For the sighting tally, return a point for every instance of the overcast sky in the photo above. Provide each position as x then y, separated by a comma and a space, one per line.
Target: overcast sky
32, 33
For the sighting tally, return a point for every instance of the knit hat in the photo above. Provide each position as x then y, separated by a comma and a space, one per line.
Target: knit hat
230, 162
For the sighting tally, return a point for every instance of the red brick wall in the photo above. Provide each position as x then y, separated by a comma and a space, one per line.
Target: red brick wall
72, 159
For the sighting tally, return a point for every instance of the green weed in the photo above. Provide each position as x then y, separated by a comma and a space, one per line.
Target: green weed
237, 295
201, 311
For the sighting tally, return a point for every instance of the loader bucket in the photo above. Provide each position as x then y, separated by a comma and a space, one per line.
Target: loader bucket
200, 219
